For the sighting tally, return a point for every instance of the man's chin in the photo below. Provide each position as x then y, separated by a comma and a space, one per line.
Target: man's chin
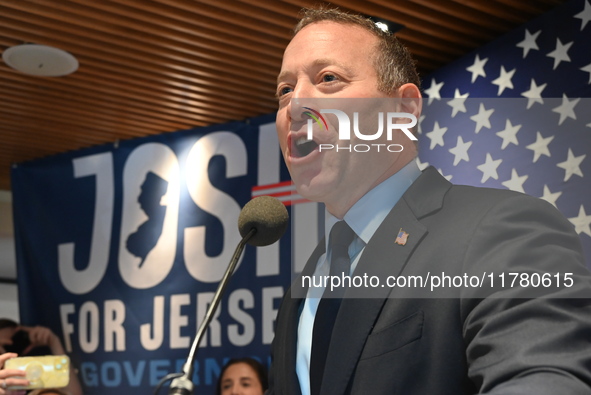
312, 189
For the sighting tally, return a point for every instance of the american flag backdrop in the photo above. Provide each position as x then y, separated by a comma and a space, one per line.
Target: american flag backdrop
516, 114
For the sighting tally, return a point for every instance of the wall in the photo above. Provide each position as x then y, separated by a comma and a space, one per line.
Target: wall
8, 291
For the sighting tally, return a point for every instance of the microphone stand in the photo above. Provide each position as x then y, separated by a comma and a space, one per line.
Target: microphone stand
182, 383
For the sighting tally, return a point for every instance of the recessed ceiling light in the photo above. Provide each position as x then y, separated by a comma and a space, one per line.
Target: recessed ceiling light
40, 60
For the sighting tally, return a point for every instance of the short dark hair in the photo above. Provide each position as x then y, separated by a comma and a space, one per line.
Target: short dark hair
258, 368
392, 61
7, 323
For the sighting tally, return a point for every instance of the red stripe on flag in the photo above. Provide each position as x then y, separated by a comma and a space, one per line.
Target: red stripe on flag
271, 186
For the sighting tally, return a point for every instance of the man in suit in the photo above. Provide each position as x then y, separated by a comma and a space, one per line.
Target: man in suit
407, 224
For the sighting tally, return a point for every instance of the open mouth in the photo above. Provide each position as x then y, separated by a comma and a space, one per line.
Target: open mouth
303, 147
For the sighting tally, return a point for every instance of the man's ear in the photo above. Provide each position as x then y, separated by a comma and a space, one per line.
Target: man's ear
412, 101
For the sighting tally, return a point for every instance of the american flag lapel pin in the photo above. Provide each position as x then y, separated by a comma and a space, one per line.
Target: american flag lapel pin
401, 238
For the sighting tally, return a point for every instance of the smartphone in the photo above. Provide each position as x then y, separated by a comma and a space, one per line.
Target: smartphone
49, 371
20, 342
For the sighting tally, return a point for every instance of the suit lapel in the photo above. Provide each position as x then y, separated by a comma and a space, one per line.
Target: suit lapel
284, 344
382, 257
286, 334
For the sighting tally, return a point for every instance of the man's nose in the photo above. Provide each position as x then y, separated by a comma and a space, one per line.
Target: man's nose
300, 98
303, 89
295, 110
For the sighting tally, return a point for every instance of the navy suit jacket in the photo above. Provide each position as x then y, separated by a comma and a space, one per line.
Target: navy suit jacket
472, 342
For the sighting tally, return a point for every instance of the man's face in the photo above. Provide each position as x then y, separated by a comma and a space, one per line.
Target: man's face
328, 60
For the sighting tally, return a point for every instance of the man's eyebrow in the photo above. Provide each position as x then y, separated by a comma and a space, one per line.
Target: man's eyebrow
330, 62
283, 76
317, 63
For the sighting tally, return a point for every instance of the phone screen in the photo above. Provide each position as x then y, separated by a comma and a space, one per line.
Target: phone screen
20, 342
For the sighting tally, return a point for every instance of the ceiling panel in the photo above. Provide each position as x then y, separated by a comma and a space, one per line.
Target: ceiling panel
149, 67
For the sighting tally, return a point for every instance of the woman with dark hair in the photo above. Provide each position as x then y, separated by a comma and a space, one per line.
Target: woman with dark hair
244, 376
18, 340
7, 329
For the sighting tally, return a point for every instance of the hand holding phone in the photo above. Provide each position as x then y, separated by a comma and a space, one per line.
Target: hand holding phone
50, 371
10, 377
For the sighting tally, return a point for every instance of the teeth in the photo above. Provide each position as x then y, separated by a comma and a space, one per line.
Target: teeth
302, 140
304, 146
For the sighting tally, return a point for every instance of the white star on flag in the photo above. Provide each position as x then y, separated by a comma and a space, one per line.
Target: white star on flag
482, 118
516, 182
457, 103
509, 134
433, 90
422, 165
504, 80
585, 15
477, 69
540, 146
436, 135
572, 165
529, 42
489, 168
588, 70
582, 222
549, 196
420, 128
560, 53
448, 178
534, 94
460, 151
566, 109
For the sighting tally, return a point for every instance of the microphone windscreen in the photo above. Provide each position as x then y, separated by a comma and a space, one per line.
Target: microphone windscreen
268, 216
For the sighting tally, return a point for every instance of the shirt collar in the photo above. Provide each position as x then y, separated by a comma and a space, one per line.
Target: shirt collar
367, 213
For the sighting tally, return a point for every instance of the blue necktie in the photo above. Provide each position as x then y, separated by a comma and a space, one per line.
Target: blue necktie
341, 235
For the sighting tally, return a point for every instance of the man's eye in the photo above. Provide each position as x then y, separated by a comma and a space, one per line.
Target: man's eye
284, 91
329, 78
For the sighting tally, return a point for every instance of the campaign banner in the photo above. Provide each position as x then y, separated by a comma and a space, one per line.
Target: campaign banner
120, 249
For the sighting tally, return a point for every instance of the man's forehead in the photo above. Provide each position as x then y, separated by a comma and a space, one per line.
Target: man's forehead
330, 32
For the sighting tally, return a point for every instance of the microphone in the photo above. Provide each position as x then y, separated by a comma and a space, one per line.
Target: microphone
262, 222
268, 216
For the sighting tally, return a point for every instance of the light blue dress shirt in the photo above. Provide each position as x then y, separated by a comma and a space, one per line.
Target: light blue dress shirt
364, 218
